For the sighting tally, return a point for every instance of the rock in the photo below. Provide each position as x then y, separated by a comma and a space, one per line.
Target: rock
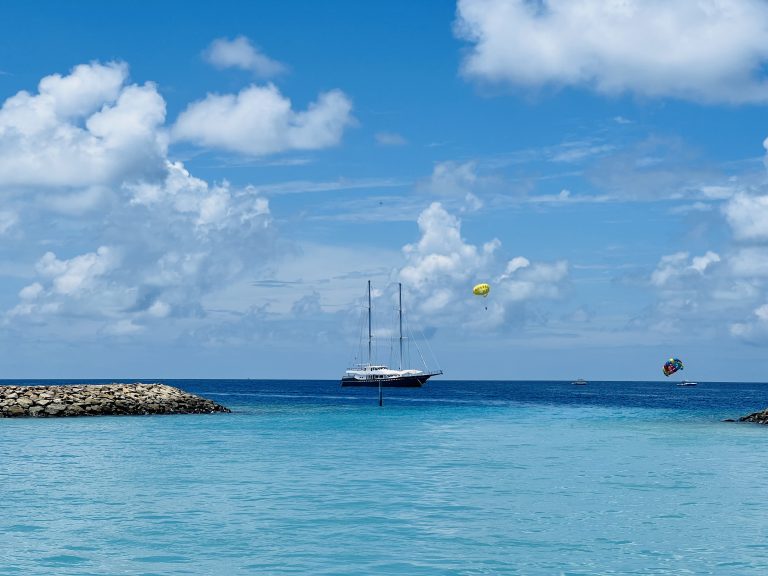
35, 410
54, 409
102, 399
14, 411
756, 417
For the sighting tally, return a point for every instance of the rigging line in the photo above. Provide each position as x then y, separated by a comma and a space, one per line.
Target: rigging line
361, 330
426, 342
418, 348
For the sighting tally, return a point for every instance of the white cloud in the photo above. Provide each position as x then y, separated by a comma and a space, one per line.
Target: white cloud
537, 280
441, 253
457, 180
653, 48
678, 267
71, 277
152, 240
442, 267
77, 284
84, 129
31, 292
179, 241
755, 329
751, 262
575, 152
77, 202
7, 220
691, 208
240, 53
701, 263
124, 327
390, 139
748, 216
208, 207
452, 179
259, 120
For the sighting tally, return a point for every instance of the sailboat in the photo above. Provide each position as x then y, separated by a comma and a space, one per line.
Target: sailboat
373, 374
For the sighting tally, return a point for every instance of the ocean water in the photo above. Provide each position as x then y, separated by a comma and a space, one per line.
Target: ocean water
456, 478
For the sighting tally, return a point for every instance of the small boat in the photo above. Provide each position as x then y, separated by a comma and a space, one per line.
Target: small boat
687, 383
374, 374
579, 382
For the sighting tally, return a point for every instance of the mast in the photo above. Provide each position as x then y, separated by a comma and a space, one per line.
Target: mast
400, 314
370, 334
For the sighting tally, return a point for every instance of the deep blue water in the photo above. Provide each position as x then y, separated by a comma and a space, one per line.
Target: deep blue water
458, 477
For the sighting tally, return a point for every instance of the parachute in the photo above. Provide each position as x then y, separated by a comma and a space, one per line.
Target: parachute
671, 366
481, 290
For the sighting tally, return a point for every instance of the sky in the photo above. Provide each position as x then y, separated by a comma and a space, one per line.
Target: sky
203, 190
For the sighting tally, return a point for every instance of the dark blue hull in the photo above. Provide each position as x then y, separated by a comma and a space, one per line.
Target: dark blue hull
404, 382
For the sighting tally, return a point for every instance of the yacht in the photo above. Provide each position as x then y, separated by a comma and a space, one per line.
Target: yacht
374, 374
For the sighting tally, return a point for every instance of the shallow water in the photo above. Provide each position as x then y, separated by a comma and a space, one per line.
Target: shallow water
454, 478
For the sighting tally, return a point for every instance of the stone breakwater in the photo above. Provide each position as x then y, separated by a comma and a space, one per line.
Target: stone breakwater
101, 400
756, 417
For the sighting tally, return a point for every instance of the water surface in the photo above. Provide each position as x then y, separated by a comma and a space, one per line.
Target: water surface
305, 477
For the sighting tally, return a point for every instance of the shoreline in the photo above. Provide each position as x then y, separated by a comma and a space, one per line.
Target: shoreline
53, 401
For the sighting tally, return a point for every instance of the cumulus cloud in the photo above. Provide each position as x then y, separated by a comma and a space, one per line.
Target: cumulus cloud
522, 280
678, 266
442, 267
73, 276
240, 53
755, 329
153, 240
441, 253
458, 180
84, 129
749, 262
70, 281
748, 216
207, 207
452, 179
652, 48
179, 240
702, 295
260, 120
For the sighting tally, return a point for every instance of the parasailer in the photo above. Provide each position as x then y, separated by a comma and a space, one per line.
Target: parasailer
481, 290
671, 366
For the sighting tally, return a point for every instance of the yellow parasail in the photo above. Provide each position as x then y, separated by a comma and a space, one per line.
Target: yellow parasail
481, 290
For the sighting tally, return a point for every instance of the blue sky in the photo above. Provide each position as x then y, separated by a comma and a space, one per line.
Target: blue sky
203, 190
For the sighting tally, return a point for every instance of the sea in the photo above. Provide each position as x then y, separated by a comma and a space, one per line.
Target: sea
454, 478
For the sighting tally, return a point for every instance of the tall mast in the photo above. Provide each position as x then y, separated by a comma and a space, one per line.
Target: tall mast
370, 334
400, 314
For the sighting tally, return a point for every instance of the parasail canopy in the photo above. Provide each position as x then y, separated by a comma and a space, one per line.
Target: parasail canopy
671, 366
481, 290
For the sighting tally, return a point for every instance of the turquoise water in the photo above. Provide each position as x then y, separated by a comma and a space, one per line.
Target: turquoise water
456, 478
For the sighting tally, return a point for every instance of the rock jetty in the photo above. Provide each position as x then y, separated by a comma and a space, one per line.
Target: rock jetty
101, 400
756, 417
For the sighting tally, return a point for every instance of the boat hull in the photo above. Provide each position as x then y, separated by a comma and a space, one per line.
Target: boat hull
415, 381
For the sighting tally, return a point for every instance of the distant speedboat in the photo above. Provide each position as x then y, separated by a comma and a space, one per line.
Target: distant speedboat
579, 382
687, 383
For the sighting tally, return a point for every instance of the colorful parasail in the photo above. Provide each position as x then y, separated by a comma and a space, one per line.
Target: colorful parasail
481, 290
671, 366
